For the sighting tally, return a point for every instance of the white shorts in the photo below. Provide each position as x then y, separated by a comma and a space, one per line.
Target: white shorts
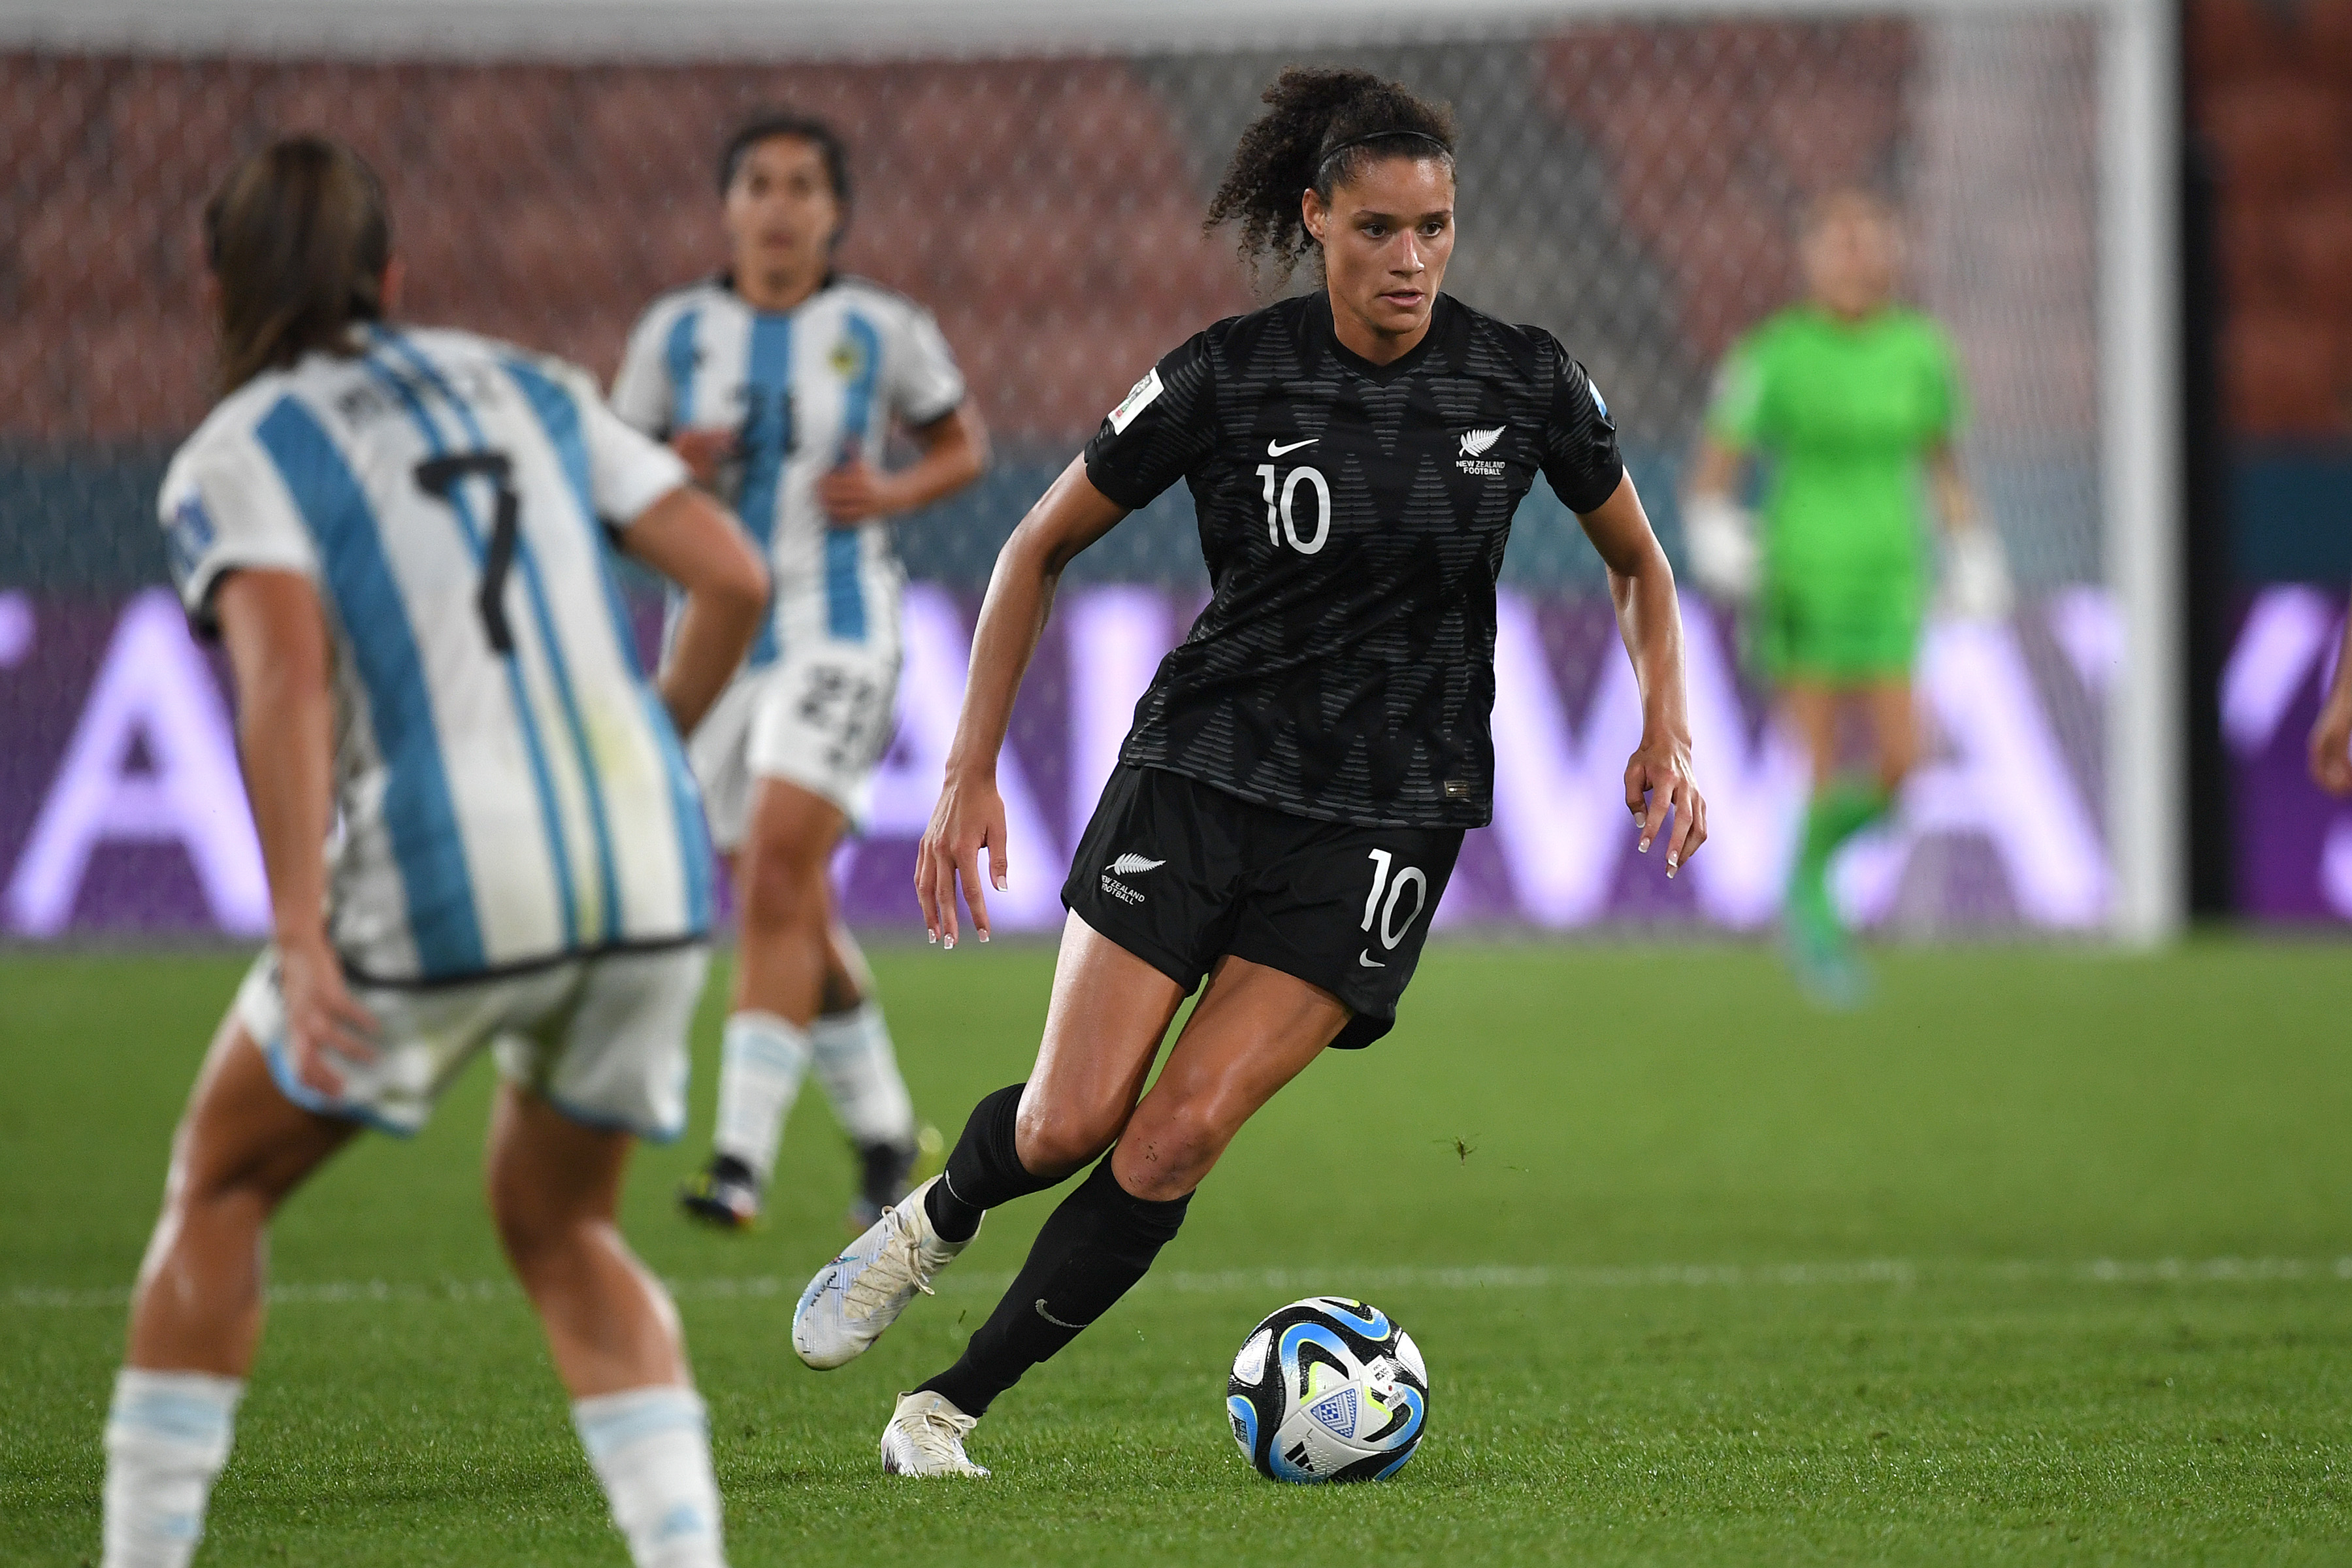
819, 719
602, 1038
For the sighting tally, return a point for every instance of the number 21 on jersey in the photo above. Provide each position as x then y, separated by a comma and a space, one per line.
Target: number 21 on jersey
1282, 508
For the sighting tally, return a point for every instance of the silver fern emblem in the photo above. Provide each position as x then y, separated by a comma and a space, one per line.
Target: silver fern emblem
1128, 865
1478, 443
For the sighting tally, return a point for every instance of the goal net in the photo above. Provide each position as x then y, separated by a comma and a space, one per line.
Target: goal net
1632, 185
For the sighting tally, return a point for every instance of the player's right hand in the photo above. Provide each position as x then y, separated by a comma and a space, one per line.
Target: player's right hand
322, 1019
2331, 747
703, 450
969, 816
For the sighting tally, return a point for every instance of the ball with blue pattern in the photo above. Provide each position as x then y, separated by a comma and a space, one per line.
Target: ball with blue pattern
1328, 1389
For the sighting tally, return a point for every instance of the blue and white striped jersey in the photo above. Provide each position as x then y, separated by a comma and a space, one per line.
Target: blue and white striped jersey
511, 789
804, 391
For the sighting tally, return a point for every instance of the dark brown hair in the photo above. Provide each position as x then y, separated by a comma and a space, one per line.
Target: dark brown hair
1319, 131
816, 133
299, 237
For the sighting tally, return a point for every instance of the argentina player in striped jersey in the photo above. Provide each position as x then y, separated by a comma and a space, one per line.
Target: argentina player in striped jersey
404, 538
778, 382
1290, 802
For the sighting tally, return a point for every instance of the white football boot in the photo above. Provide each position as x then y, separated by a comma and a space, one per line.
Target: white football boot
925, 1437
860, 1293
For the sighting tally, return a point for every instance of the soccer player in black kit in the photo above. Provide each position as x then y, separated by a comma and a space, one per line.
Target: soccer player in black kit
1291, 799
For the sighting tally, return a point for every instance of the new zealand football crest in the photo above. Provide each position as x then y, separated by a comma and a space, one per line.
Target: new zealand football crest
1475, 445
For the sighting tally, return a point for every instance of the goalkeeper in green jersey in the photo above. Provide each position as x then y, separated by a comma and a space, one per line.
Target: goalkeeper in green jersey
1851, 402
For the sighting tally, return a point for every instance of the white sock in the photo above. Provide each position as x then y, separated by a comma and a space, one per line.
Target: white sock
861, 1075
651, 1449
167, 1436
761, 1058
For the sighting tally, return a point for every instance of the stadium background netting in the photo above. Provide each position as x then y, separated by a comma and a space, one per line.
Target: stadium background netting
1631, 186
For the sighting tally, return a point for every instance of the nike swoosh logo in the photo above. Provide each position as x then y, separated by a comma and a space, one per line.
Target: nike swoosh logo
1053, 1320
1276, 448
1368, 961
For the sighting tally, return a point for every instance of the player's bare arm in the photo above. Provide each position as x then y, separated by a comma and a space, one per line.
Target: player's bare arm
954, 450
1714, 470
690, 540
1956, 502
1642, 586
2331, 738
276, 634
1071, 515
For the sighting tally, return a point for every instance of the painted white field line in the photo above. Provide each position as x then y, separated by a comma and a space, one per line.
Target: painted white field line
1896, 1272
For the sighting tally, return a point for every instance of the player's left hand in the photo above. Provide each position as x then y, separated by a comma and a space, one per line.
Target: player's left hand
1657, 779
856, 492
2331, 746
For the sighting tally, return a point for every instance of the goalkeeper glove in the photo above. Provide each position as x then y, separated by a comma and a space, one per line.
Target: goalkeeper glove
1722, 546
1975, 574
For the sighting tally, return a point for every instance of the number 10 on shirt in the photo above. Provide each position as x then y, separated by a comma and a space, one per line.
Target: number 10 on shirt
1409, 876
1280, 522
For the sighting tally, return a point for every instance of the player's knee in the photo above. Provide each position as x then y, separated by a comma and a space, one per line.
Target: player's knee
544, 1247
1158, 1183
207, 1188
784, 887
523, 1228
1169, 1148
535, 1232
1057, 1140
198, 1201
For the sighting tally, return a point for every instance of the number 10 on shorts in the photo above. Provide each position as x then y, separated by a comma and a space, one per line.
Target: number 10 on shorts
1391, 934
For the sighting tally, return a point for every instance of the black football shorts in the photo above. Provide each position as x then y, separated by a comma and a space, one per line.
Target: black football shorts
1181, 874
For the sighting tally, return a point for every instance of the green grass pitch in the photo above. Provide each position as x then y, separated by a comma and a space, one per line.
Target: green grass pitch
2044, 1258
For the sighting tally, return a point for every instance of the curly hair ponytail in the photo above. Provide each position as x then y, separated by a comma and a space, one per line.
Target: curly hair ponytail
1320, 129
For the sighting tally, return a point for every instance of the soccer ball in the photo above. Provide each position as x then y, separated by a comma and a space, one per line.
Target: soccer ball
1327, 1390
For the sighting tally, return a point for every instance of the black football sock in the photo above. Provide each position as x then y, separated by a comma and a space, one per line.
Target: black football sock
882, 1170
1093, 1248
984, 1169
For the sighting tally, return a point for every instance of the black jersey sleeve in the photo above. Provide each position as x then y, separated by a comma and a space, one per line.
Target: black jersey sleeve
1161, 432
1579, 445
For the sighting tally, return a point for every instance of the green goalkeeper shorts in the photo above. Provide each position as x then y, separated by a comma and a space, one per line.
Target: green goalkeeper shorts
1847, 631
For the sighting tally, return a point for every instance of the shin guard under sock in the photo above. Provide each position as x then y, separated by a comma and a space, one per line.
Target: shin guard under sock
983, 1170
761, 1058
650, 1447
167, 1436
1092, 1249
859, 1068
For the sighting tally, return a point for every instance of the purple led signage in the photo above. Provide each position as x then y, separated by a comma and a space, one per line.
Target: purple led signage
121, 810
